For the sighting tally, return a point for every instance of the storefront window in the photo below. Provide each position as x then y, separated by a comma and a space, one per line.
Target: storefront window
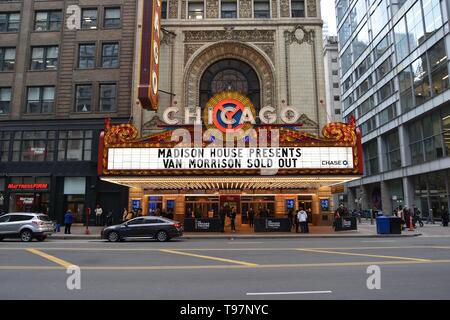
155, 206
202, 206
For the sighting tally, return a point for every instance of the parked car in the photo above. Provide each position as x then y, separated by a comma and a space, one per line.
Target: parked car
26, 226
159, 228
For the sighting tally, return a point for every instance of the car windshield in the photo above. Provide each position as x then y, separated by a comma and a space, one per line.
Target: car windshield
44, 218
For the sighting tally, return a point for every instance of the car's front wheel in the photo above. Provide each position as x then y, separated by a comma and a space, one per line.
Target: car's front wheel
113, 236
162, 236
26, 235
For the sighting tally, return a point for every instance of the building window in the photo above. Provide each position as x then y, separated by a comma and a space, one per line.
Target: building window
414, 25
336, 98
334, 60
384, 68
393, 157
112, 18
31, 146
9, 21
445, 115
110, 55
382, 47
47, 21
297, 8
371, 157
228, 9
438, 65
368, 126
44, 58
335, 85
40, 99
89, 19
195, 10
337, 111
421, 81
75, 145
425, 137
7, 59
86, 56
261, 9
401, 40
334, 72
164, 9
83, 98
379, 18
405, 81
108, 94
432, 16
5, 100
385, 91
388, 114
5, 142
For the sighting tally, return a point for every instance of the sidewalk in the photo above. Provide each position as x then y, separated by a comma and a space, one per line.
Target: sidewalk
365, 230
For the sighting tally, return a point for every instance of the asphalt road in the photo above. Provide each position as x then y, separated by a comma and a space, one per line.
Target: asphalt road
410, 268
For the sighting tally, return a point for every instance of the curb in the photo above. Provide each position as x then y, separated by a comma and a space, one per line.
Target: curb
247, 237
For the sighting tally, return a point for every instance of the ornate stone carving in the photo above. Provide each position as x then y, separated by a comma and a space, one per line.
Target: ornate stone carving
307, 122
312, 9
245, 8
299, 35
212, 8
268, 49
284, 9
189, 50
274, 9
173, 9
183, 9
229, 50
167, 38
229, 33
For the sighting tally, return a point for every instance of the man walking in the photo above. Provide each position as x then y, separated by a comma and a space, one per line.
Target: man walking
302, 219
98, 215
68, 220
251, 216
232, 219
444, 216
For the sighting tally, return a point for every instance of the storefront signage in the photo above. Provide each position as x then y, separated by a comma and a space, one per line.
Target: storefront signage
230, 158
150, 54
26, 200
270, 224
30, 186
202, 225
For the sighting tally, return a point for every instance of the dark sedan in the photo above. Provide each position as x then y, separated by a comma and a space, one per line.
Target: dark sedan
159, 228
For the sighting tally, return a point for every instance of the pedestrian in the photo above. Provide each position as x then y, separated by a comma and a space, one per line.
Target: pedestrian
98, 215
232, 219
140, 212
124, 214
337, 215
297, 221
222, 215
291, 219
407, 216
68, 220
109, 218
417, 216
251, 216
130, 215
303, 220
444, 216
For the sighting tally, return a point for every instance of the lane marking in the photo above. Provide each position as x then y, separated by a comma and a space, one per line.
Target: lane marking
209, 257
286, 293
363, 255
243, 242
380, 241
264, 266
54, 259
227, 249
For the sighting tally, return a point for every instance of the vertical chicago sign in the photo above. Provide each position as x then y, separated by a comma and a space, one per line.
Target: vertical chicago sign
149, 72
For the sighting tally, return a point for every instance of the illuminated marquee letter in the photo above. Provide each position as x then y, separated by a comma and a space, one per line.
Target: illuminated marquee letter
167, 115
267, 115
150, 55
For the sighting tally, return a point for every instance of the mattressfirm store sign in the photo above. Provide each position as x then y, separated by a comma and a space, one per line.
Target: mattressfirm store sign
230, 158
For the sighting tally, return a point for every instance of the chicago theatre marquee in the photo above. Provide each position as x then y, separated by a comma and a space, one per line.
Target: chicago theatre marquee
229, 110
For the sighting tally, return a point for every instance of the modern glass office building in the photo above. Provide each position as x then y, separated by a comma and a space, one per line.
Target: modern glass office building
395, 81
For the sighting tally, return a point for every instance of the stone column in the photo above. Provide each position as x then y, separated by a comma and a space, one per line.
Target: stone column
408, 191
386, 198
404, 146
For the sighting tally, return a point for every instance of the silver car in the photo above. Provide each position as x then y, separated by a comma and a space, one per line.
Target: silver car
26, 226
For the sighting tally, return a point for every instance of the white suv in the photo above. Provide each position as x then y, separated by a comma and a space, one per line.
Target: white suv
26, 226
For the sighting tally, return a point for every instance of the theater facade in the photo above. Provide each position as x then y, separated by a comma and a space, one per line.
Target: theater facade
239, 117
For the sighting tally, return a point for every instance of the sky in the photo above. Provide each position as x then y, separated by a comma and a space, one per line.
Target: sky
329, 15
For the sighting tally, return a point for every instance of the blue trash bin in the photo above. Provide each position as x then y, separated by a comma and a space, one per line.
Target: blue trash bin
383, 225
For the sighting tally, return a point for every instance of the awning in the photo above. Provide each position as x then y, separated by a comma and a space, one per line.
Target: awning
228, 182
